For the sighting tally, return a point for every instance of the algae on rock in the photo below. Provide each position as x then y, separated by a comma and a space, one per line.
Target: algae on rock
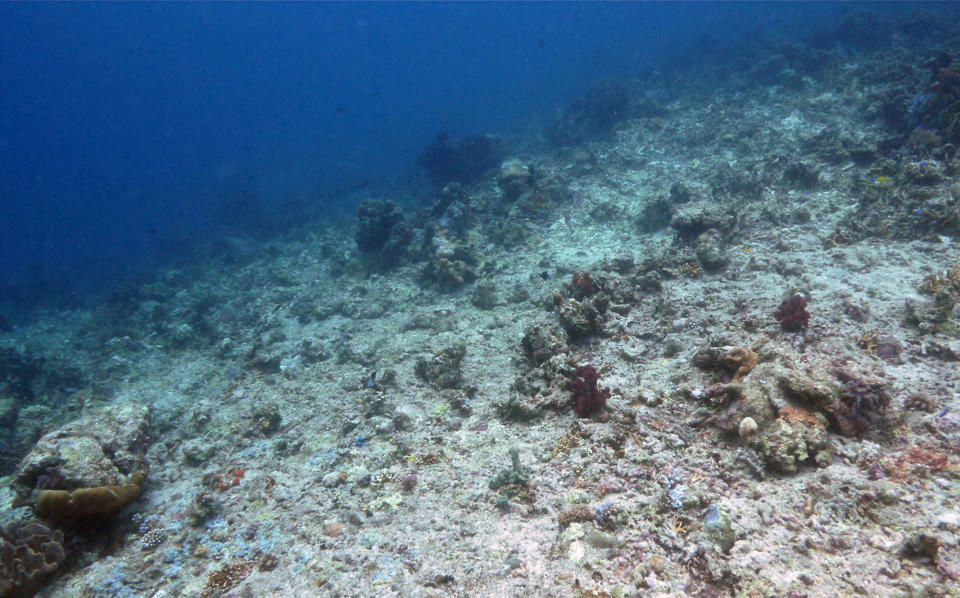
443, 370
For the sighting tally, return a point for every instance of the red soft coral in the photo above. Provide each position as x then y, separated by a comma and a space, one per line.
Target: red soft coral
587, 396
792, 313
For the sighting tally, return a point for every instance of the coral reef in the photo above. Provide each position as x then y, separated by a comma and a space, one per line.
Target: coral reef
464, 161
604, 106
331, 409
382, 233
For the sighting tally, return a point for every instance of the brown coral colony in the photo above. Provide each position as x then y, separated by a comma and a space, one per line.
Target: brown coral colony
84, 503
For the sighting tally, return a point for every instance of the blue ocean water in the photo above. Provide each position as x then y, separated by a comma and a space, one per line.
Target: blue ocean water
130, 131
479, 299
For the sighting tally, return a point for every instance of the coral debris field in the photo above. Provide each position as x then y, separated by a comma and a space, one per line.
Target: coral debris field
695, 336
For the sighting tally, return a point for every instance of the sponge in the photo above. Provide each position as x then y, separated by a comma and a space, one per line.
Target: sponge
84, 503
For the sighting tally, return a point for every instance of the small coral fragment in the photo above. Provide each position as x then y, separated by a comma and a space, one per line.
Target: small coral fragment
743, 361
226, 578
747, 427
576, 513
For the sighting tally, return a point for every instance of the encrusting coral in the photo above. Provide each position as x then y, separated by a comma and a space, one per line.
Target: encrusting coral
84, 503
742, 360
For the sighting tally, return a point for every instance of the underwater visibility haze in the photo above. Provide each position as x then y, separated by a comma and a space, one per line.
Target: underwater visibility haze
130, 130
479, 299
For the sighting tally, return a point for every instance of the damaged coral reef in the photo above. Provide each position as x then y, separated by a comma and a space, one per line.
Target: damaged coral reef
697, 335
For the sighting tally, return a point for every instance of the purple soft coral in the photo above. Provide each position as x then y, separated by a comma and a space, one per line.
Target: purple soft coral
587, 396
792, 313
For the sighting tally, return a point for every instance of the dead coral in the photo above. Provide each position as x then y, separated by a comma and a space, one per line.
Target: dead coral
792, 413
789, 443
916, 462
784, 406
582, 285
450, 262
860, 404
738, 360
953, 275
948, 281
443, 370
919, 401
100, 449
576, 513
581, 318
542, 341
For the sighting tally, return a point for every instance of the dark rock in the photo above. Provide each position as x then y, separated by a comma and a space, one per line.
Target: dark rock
382, 232
443, 369
462, 160
102, 448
